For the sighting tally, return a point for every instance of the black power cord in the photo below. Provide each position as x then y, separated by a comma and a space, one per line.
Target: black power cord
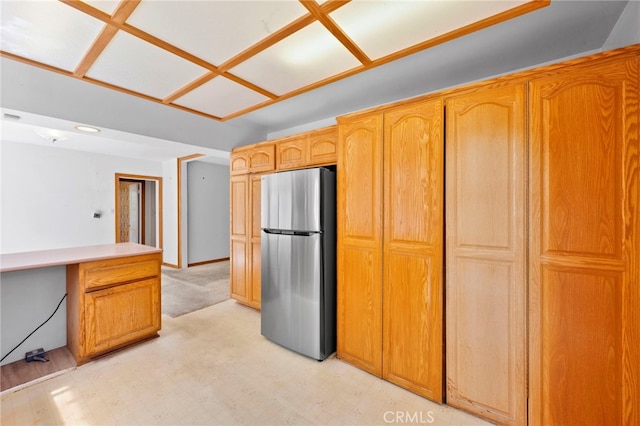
37, 328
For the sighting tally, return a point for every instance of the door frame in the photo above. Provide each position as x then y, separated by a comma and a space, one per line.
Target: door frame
129, 177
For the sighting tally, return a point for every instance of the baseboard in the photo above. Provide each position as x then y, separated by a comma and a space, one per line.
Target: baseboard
206, 262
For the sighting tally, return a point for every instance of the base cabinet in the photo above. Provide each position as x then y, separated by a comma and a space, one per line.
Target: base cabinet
112, 303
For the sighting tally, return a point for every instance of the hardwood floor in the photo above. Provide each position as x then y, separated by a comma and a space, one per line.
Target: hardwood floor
20, 372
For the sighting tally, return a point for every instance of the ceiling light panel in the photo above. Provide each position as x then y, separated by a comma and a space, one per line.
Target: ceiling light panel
214, 30
136, 65
220, 97
107, 6
382, 28
47, 31
307, 56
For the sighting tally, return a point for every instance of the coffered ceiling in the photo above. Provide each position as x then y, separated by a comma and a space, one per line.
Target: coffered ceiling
224, 59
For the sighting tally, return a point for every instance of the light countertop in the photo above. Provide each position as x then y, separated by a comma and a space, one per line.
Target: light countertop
67, 256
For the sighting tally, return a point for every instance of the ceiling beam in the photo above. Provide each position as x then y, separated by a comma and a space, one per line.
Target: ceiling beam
324, 18
122, 13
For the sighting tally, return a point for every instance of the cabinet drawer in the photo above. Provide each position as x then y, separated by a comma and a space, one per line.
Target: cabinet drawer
122, 314
105, 273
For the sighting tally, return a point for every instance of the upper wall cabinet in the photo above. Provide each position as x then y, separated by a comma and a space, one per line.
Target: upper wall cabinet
239, 162
323, 147
311, 149
316, 148
253, 159
262, 158
291, 153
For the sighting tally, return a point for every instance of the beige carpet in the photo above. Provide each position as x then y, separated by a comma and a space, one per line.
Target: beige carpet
191, 289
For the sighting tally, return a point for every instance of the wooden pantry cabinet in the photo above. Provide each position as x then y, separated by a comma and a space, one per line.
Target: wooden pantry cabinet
390, 228
584, 258
486, 299
245, 239
542, 213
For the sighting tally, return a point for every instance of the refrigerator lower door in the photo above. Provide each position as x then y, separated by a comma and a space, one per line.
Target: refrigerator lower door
292, 301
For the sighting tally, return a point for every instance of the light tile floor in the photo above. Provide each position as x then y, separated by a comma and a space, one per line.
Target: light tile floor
212, 367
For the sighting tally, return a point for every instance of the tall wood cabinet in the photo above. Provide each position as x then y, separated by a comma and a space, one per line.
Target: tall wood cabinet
246, 167
239, 235
390, 295
584, 264
359, 261
486, 284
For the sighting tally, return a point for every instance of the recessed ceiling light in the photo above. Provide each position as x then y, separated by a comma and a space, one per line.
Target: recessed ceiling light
87, 129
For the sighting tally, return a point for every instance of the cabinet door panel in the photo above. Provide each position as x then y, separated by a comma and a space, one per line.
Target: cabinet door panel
262, 158
240, 229
121, 314
585, 246
485, 254
255, 265
413, 230
359, 292
323, 146
291, 153
239, 163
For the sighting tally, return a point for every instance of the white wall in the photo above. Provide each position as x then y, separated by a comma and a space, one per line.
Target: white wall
49, 195
27, 299
170, 212
627, 29
208, 211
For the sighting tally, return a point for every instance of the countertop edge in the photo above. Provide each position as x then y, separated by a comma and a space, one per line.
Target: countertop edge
11, 262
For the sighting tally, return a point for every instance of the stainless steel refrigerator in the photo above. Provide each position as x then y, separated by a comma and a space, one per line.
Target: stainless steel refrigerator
298, 257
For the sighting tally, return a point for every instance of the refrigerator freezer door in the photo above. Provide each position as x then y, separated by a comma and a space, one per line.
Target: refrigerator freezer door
291, 200
292, 298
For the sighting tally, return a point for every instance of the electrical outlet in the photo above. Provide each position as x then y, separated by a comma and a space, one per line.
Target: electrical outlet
36, 355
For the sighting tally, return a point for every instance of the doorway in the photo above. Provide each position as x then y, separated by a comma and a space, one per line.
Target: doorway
138, 209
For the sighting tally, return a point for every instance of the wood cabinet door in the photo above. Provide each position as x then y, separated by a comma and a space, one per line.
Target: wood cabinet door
254, 261
359, 217
239, 162
486, 255
323, 146
585, 246
291, 153
413, 230
239, 194
262, 158
121, 314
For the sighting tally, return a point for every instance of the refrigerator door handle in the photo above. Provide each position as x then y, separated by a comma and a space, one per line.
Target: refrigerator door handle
289, 232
